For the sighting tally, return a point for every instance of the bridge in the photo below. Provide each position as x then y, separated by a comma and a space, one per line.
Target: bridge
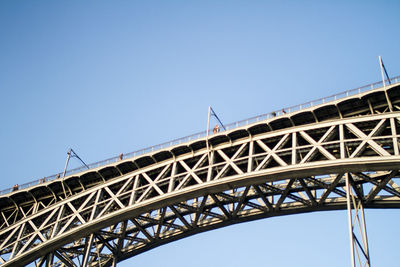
316, 158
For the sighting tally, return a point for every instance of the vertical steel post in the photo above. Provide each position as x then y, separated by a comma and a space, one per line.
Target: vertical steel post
355, 244
351, 235
86, 252
65, 170
365, 238
383, 71
208, 130
208, 121
50, 259
383, 75
66, 163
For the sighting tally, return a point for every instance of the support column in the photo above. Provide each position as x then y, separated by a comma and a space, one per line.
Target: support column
349, 216
356, 247
88, 247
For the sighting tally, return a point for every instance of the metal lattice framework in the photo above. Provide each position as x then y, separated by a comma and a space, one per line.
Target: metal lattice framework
312, 160
300, 169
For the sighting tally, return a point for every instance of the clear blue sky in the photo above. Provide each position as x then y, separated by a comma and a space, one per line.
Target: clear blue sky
106, 77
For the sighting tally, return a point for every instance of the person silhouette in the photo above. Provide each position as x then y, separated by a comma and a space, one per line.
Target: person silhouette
216, 129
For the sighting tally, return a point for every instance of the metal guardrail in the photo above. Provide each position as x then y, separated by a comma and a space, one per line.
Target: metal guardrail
199, 135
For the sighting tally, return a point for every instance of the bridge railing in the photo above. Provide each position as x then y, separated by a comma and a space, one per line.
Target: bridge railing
199, 135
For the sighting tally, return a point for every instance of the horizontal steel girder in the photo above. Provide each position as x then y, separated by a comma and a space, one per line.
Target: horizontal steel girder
295, 170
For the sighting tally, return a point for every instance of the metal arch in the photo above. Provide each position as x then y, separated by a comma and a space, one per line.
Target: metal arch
15, 213
284, 172
163, 225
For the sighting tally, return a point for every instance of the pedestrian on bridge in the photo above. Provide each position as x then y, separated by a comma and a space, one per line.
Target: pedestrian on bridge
216, 129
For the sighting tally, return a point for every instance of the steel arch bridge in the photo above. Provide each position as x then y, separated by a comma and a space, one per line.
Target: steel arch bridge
290, 164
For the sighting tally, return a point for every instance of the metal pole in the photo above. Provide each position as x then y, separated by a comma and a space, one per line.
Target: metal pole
384, 69
365, 236
350, 221
208, 121
86, 252
208, 130
383, 76
65, 170
384, 83
66, 163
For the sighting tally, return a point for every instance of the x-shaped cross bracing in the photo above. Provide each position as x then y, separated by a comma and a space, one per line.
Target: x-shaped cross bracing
265, 191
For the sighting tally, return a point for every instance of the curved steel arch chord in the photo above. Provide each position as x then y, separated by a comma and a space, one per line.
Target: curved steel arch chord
290, 171
160, 226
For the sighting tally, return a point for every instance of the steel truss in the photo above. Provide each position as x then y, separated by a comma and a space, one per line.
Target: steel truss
21, 204
301, 169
